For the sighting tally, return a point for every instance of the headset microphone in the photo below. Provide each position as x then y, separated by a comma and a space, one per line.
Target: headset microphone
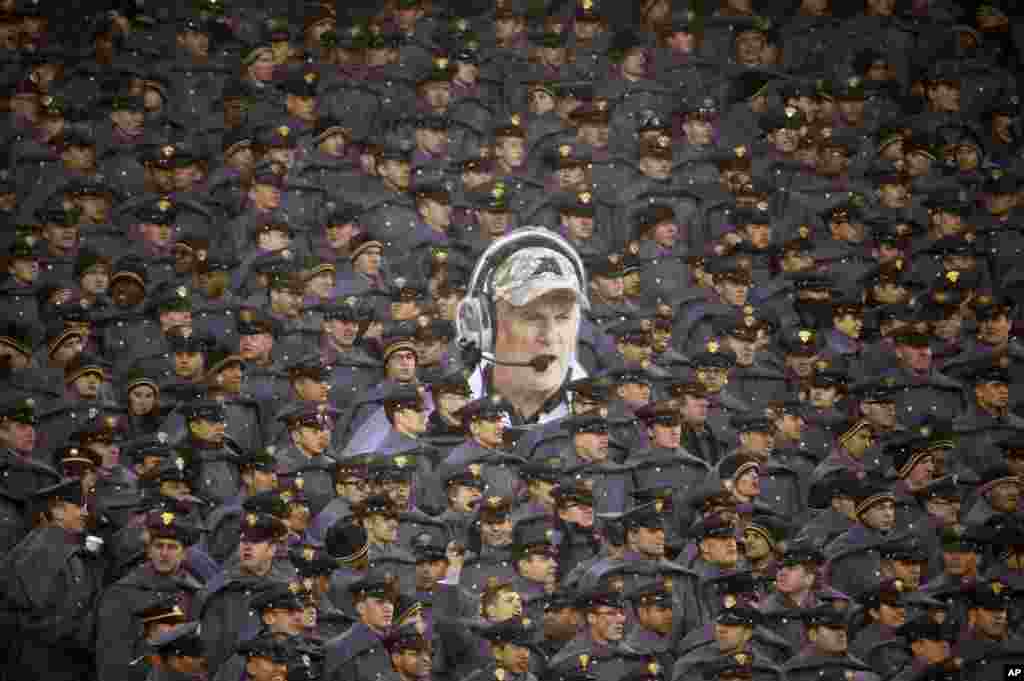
540, 363
472, 356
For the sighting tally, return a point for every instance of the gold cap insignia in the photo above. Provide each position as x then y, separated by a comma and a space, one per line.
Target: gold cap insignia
284, 131
659, 504
516, 119
654, 668
729, 601
310, 78
295, 587
740, 151
853, 81
926, 431
251, 519
587, 4
997, 587
167, 517
180, 463
804, 231
749, 321
401, 461
790, 111
742, 658
461, 24
309, 553
176, 610
898, 263
474, 469
164, 205
286, 496
601, 104
585, 197
441, 62
584, 660
167, 150
549, 533
564, 151
499, 674
898, 585
953, 276
181, 291
712, 346
821, 364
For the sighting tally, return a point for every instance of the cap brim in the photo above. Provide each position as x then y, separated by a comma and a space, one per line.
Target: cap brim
532, 290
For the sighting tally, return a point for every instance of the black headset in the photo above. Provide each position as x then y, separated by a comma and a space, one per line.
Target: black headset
474, 319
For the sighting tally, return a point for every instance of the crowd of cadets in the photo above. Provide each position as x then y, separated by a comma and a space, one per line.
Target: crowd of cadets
235, 239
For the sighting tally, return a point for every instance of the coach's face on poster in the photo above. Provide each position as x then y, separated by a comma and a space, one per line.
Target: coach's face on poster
538, 294
544, 326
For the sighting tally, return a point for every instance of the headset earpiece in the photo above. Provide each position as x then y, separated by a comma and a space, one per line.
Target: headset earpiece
472, 321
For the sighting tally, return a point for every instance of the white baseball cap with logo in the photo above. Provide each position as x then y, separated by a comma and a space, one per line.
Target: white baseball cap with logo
532, 272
